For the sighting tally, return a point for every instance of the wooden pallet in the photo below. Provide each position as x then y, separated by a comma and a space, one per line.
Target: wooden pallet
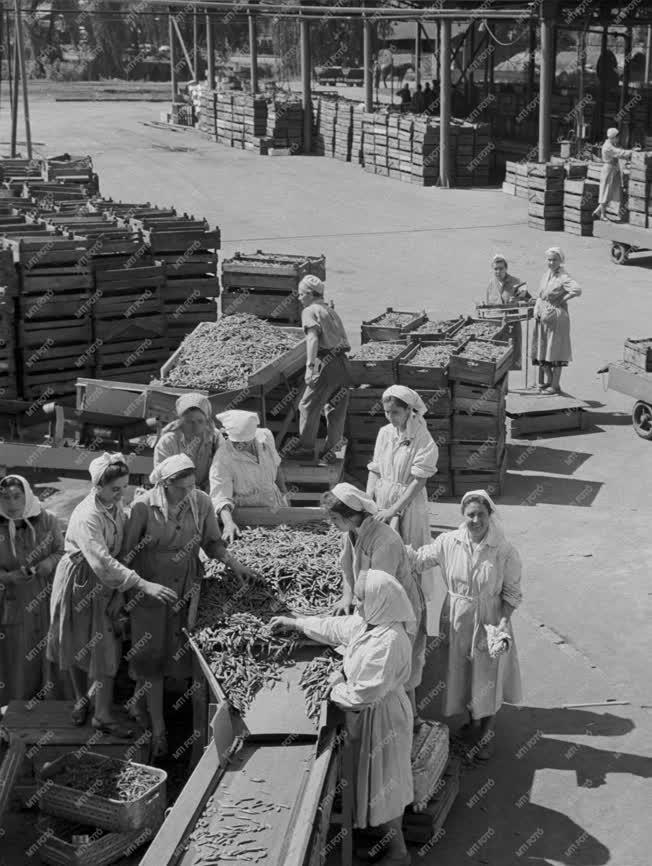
531, 413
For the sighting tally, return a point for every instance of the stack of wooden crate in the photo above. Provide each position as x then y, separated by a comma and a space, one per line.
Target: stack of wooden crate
266, 284
464, 154
425, 152
381, 121
368, 151
252, 112
640, 189
522, 176
580, 200
285, 123
509, 184
8, 290
356, 135
405, 138
208, 113
482, 150
325, 143
343, 131
546, 193
393, 146
479, 392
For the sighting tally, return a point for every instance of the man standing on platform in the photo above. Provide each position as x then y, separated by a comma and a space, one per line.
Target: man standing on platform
327, 373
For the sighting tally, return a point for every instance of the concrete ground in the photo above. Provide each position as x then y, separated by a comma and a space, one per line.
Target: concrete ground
567, 785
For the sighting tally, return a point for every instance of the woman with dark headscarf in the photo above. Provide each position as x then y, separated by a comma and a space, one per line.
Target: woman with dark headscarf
194, 434
31, 545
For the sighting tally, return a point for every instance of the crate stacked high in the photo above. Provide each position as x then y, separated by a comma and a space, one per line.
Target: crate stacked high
324, 142
393, 146
639, 200
285, 123
343, 131
425, 152
522, 188
207, 123
546, 196
356, 134
380, 138
509, 184
459, 368
405, 138
580, 200
368, 150
8, 289
266, 284
464, 154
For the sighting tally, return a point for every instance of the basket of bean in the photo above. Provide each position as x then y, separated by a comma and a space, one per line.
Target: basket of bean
103, 792
443, 330
390, 325
484, 362
482, 329
376, 363
62, 843
426, 365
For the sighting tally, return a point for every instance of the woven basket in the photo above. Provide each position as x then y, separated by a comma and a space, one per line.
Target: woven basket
103, 848
88, 808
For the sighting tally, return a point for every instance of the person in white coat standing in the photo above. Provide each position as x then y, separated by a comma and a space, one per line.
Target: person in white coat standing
482, 573
611, 181
371, 691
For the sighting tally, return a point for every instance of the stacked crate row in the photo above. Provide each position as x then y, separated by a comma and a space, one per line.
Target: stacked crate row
343, 131
465, 404
266, 284
639, 198
545, 195
324, 140
405, 145
356, 135
425, 153
8, 288
580, 200
472, 153
285, 123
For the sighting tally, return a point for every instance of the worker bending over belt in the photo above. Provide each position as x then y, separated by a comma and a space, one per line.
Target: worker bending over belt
327, 373
369, 543
166, 529
246, 470
371, 691
193, 434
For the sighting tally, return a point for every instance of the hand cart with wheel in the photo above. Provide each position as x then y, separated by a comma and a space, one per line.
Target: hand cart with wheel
626, 378
625, 239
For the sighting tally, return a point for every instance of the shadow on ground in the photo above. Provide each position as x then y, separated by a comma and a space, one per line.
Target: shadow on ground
539, 458
548, 490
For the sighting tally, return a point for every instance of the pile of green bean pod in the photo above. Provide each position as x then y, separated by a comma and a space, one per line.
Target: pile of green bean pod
108, 778
300, 571
314, 681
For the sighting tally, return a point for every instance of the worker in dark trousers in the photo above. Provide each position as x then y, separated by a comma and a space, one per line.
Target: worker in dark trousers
327, 373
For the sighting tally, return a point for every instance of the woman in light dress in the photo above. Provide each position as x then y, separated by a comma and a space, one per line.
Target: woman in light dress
551, 343
371, 691
482, 574
611, 180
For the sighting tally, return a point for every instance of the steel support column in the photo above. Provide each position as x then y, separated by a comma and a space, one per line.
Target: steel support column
253, 53
23, 76
210, 52
444, 102
173, 57
368, 65
545, 88
306, 73
417, 55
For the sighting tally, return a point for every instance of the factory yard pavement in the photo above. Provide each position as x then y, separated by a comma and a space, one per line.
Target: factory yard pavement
568, 785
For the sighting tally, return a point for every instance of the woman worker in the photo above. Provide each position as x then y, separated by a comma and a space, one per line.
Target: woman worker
246, 471
166, 529
193, 433
482, 573
370, 543
31, 545
87, 595
506, 289
611, 181
372, 694
551, 344
405, 456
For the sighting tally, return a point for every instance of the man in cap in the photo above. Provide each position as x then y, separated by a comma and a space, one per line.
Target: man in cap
327, 372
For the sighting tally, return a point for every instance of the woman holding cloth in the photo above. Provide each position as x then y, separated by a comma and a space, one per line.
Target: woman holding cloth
246, 470
193, 434
405, 456
31, 545
371, 692
506, 289
87, 595
372, 544
551, 343
482, 573
167, 527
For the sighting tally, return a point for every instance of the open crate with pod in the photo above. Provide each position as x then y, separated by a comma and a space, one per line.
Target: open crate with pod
481, 329
425, 365
391, 326
266, 284
103, 792
482, 362
430, 331
62, 843
376, 363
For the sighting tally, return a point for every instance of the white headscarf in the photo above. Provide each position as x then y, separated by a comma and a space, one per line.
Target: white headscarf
239, 425
499, 257
32, 509
556, 251
612, 132
383, 601
166, 469
354, 498
193, 401
312, 284
495, 522
98, 467
407, 395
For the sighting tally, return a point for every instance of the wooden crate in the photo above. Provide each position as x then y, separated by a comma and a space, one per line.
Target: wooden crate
473, 455
545, 224
381, 373
33, 333
364, 428
426, 377
366, 400
639, 353
439, 404
440, 486
265, 305
439, 429
372, 332
481, 372
492, 480
478, 427
426, 827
